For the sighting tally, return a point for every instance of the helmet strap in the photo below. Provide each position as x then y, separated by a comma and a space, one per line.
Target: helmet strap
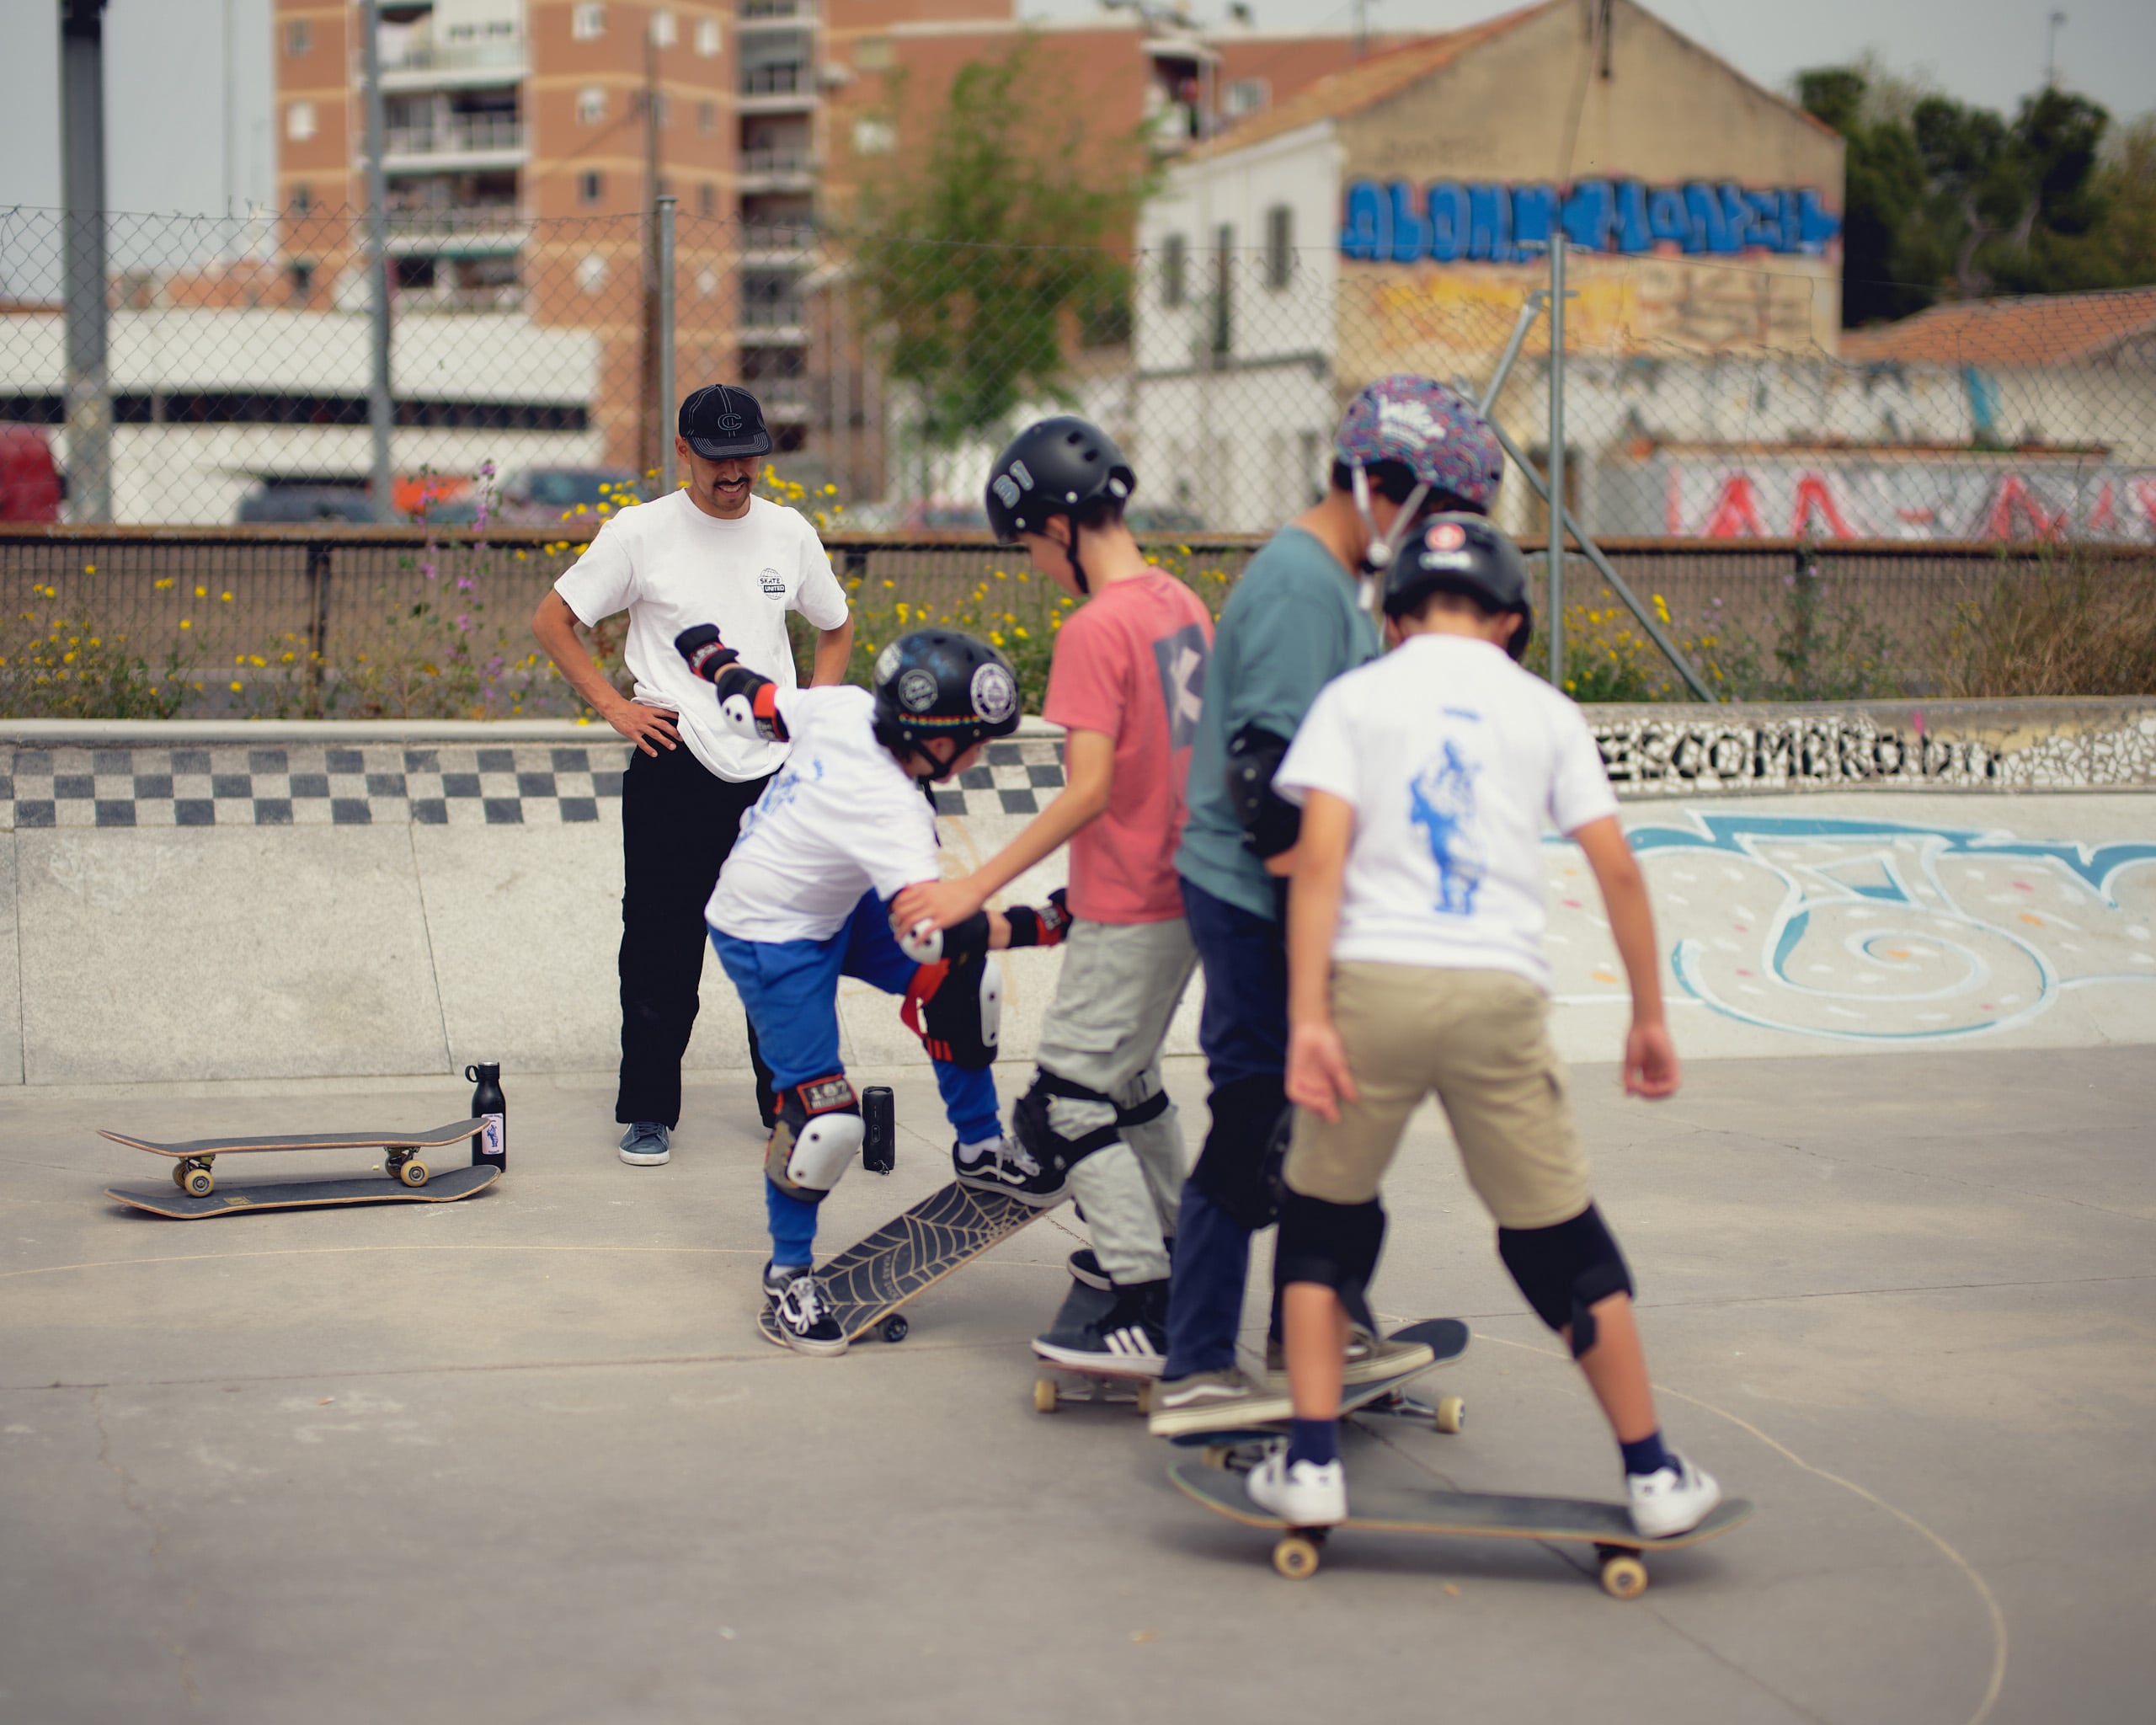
1382, 547
1077, 568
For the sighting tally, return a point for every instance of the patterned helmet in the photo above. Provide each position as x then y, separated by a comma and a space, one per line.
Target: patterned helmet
1437, 434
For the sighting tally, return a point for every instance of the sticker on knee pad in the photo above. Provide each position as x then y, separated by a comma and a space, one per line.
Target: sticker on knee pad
1565, 1271
1334, 1244
1238, 1168
1030, 1126
820, 1132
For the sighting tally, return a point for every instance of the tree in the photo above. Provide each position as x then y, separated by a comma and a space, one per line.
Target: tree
1886, 243
987, 255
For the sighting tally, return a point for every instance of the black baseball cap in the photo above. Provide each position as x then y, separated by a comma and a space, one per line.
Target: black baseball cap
722, 420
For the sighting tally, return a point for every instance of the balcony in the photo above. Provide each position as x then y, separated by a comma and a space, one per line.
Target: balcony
476, 143
460, 66
775, 15
508, 296
777, 170
774, 324
785, 399
473, 231
778, 247
783, 87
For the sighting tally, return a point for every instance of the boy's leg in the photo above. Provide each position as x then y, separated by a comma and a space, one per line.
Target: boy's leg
1243, 1031
1504, 1093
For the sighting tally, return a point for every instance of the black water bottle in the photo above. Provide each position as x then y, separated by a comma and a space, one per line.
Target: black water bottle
490, 1143
879, 1134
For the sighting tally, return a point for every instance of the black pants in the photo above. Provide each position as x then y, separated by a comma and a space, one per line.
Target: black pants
679, 823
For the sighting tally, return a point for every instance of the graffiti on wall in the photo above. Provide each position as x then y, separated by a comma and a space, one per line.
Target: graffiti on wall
1447, 222
1944, 498
1882, 930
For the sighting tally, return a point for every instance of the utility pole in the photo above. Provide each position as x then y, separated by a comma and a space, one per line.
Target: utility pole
651, 430
378, 402
82, 173
1555, 629
2050, 50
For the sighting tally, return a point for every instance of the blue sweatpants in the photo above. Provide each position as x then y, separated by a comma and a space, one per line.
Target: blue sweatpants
790, 990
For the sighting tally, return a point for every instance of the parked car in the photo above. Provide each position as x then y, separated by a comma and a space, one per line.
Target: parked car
30, 486
539, 497
268, 502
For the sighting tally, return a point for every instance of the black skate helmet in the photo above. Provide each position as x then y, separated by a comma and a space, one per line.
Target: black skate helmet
940, 683
1055, 467
1462, 553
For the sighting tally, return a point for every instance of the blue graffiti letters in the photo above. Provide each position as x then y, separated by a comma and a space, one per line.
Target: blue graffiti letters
1442, 803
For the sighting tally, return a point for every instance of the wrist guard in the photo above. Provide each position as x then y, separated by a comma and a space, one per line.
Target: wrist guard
748, 702
1042, 927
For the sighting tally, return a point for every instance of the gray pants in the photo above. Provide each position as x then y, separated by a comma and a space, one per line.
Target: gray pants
1120, 986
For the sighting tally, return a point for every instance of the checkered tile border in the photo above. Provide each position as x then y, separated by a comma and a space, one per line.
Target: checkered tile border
312, 785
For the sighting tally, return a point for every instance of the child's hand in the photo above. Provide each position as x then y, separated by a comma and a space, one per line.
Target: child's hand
1318, 1078
1650, 1061
940, 903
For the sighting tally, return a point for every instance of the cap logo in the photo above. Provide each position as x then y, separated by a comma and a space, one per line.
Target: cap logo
996, 692
917, 690
1411, 418
1445, 536
729, 423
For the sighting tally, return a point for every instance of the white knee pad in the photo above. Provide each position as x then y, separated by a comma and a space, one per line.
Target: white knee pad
819, 1134
824, 1149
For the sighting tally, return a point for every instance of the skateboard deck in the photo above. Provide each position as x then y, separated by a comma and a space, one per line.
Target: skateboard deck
305, 1194
1104, 1382
1608, 1527
194, 1174
1446, 1338
871, 1280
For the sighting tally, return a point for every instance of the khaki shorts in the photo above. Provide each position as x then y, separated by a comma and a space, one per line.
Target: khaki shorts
1479, 1038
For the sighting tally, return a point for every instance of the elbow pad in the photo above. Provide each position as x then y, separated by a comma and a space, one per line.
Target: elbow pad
1042, 927
1270, 823
926, 944
748, 702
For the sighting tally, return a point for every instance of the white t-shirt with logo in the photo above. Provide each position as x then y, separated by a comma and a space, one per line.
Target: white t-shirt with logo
1455, 760
671, 566
841, 817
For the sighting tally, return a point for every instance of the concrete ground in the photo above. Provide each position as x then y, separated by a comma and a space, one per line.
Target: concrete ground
524, 1457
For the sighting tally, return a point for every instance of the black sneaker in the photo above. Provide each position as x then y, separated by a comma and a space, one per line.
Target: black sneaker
1004, 1165
804, 1314
1129, 1338
1086, 1270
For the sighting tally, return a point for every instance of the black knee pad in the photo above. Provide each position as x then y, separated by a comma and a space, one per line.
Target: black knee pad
1239, 1168
1151, 1108
1029, 1123
1337, 1244
1565, 1271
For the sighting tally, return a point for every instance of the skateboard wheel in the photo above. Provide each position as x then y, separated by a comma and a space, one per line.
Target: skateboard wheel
1216, 1455
1045, 1396
1145, 1398
1624, 1577
897, 1328
1449, 1415
1295, 1556
413, 1172
179, 1175
199, 1183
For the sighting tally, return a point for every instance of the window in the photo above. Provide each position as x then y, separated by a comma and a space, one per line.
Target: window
874, 138
874, 54
588, 22
707, 283
1224, 289
663, 31
303, 198
299, 38
707, 117
591, 272
299, 122
707, 199
1279, 246
1173, 263
591, 186
707, 38
1249, 95
590, 105
301, 272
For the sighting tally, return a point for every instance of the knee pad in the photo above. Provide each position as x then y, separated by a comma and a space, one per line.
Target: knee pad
1239, 1168
819, 1134
1145, 1113
1565, 1271
1030, 1125
956, 1008
1335, 1244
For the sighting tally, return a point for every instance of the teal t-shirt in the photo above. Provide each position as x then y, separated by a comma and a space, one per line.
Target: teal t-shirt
1289, 628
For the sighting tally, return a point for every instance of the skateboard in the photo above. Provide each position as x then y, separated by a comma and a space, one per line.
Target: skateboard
871, 1280
1242, 1427
1059, 1383
306, 1194
194, 1174
1608, 1527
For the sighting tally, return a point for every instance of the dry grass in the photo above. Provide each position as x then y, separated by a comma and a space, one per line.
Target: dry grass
2077, 622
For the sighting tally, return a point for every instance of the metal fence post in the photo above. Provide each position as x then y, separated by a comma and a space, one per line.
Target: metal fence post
668, 478
318, 628
82, 128
1555, 465
378, 406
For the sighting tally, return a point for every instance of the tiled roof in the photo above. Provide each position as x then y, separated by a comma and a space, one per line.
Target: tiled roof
2045, 330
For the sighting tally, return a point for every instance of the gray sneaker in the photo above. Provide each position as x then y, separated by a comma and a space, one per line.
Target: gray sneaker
1194, 1403
646, 1145
1370, 1358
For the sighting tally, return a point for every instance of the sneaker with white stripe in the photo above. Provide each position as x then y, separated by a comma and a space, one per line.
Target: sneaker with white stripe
1129, 1338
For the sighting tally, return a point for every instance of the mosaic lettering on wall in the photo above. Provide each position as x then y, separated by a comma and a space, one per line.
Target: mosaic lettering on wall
1448, 222
1873, 931
1683, 756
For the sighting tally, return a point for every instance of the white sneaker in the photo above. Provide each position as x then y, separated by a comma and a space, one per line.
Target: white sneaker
1671, 1500
1303, 1493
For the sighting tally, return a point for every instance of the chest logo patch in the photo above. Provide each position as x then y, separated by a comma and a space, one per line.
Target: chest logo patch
771, 582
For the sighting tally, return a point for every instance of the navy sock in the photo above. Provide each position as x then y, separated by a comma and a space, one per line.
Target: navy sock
1314, 1440
1645, 1456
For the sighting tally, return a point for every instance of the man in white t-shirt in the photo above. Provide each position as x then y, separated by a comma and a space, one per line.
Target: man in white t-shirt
711, 553
1415, 965
805, 901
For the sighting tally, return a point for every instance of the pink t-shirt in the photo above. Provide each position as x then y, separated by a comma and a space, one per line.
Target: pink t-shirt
1130, 663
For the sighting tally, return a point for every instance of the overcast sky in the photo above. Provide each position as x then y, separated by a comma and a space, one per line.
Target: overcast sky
167, 66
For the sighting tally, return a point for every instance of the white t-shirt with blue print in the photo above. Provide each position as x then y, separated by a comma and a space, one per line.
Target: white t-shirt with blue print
1456, 761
